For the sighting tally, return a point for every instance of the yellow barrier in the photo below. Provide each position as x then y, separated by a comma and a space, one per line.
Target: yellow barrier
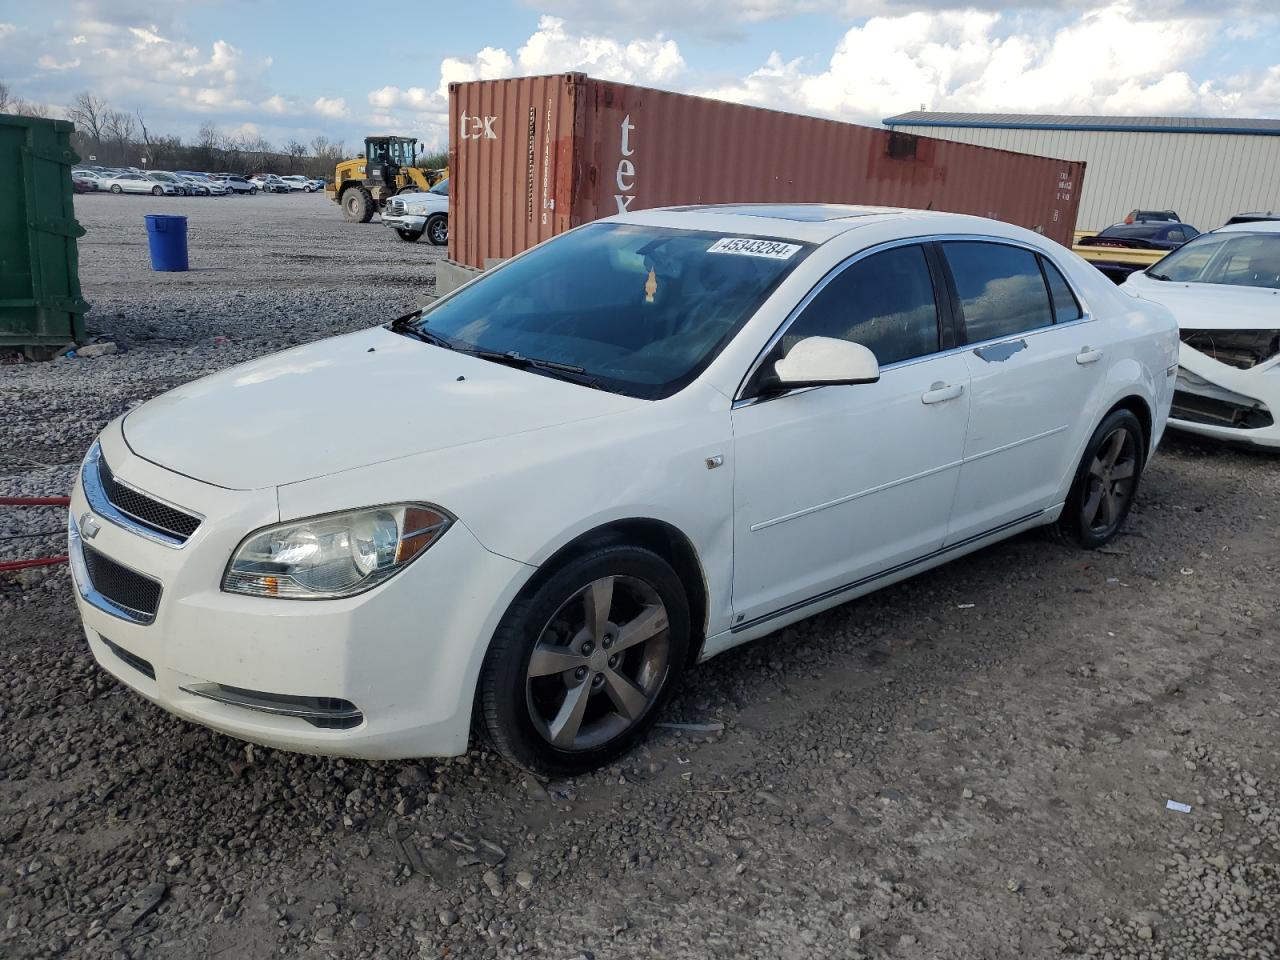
1142, 258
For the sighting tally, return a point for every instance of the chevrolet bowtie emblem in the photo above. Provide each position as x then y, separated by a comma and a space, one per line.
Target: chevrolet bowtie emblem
89, 527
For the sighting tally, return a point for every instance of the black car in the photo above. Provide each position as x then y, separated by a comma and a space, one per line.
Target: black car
1257, 216
1143, 235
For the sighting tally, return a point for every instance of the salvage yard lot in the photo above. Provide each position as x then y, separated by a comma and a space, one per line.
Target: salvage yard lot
974, 763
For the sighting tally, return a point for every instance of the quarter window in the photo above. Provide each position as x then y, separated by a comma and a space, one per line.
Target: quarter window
1065, 306
1001, 289
884, 302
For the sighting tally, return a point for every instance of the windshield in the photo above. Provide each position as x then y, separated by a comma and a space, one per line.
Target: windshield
441, 188
1238, 259
642, 310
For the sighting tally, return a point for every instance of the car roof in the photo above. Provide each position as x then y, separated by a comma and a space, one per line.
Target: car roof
813, 222
1258, 226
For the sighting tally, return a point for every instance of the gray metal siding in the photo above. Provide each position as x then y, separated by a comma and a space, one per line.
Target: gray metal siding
1206, 178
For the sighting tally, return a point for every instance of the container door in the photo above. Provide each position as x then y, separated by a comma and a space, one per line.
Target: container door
837, 484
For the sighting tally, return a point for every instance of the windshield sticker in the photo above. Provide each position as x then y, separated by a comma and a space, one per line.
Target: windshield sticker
650, 286
746, 247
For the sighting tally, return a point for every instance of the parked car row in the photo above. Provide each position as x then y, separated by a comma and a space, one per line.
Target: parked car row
188, 182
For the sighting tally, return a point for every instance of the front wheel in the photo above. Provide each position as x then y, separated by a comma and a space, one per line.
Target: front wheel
579, 668
438, 229
116, 188
156, 191
409, 236
1105, 483
253, 191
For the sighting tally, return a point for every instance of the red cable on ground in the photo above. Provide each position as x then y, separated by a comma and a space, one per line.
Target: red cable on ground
32, 502
24, 564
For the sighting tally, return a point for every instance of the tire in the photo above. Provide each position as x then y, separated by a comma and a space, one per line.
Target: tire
437, 229
357, 205
410, 236
306, 189
1113, 461
526, 705
116, 188
156, 191
253, 191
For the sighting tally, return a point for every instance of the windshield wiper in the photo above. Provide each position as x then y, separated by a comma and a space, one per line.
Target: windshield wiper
405, 326
564, 371
1157, 276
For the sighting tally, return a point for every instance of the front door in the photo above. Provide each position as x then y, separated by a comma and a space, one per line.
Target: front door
835, 484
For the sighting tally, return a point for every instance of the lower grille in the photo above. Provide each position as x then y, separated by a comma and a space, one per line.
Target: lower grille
1220, 413
131, 591
327, 713
144, 667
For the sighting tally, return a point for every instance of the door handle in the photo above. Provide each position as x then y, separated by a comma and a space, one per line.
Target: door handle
941, 392
1088, 355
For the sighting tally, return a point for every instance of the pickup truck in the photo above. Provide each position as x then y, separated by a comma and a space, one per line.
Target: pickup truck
411, 215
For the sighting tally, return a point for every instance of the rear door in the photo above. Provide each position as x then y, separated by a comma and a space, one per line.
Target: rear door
1034, 360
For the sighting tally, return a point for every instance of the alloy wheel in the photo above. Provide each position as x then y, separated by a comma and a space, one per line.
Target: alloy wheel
440, 232
599, 663
1110, 481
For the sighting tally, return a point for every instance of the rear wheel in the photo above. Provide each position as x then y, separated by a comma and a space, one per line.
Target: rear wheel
1106, 482
410, 236
116, 188
438, 229
357, 205
253, 191
156, 191
578, 669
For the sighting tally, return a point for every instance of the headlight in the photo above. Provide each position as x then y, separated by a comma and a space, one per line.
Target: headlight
336, 555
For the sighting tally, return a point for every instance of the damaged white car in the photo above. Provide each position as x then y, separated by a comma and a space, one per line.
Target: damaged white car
1224, 289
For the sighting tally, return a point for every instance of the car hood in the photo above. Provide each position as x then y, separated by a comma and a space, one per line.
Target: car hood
348, 402
1211, 306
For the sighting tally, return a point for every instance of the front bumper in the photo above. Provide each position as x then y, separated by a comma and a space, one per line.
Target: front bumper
402, 658
1216, 399
416, 222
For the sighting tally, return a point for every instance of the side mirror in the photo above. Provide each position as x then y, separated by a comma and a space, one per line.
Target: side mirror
824, 361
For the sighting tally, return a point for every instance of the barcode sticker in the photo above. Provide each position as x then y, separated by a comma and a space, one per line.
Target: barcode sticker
746, 247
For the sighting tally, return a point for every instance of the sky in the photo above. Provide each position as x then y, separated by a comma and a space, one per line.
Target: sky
320, 68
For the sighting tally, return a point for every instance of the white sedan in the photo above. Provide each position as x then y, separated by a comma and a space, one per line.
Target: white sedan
632, 447
1224, 289
303, 184
139, 183
411, 215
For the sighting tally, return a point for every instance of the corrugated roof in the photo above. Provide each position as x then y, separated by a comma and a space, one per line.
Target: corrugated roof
1047, 121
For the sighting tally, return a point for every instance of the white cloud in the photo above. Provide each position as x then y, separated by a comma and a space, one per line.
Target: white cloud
46, 62
335, 107
1107, 61
552, 48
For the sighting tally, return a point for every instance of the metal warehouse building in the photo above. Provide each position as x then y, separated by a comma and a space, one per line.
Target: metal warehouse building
1205, 169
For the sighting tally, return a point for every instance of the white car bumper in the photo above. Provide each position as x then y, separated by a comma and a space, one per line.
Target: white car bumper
386, 674
416, 222
1219, 400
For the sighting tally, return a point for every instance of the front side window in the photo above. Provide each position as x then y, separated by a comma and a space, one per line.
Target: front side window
1001, 289
884, 302
641, 310
1235, 259
441, 188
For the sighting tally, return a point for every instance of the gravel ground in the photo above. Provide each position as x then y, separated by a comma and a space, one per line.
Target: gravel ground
972, 764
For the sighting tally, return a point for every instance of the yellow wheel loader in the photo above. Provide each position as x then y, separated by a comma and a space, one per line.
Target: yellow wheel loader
388, 166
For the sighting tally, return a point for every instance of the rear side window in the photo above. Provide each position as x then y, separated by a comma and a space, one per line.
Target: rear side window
1001, 289
1065, 306
884, 302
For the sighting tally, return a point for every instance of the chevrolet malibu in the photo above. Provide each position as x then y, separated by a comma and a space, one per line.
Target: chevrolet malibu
528, 508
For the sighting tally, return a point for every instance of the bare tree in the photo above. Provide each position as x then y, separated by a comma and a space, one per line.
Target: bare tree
296, 152
7, 99
89, 113
119, 128
10, 103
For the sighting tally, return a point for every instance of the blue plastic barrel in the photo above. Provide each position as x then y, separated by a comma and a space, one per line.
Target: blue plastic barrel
167, 237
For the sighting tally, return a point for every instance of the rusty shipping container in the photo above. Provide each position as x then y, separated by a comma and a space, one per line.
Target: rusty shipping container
531, 157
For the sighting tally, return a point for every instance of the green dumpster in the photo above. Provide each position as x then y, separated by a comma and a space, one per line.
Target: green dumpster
40, 304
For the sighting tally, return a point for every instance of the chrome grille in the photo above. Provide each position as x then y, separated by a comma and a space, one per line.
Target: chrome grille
150, 513
134, 593
396, 206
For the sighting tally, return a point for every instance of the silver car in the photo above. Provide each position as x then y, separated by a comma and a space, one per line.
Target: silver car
140, 183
